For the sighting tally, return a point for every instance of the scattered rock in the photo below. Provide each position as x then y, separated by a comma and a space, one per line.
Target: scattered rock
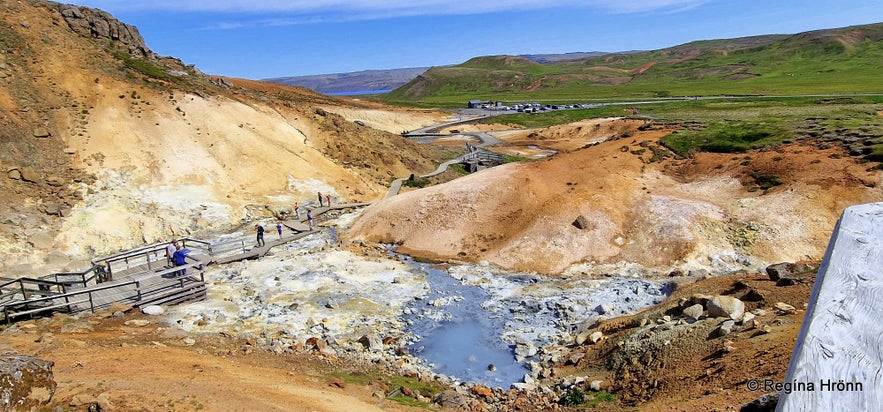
694, 311
725, 306
137, 322
41, 240
41, 133
153, 310
596, 336
371, 342
336, 382
784, 308
777, 271
595, 385
581, 223
725, 328
525, 349
575, 358
451, 400
483, 391
604, 308
748, 320
27, 382
77, 327
29, 175
119, 307
752, 296
765, 403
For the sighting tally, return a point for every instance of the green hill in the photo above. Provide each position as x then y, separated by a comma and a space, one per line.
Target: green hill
844, 60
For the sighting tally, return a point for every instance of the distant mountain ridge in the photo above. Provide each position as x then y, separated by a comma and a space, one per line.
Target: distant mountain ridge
830, 61
366, 80
391, 79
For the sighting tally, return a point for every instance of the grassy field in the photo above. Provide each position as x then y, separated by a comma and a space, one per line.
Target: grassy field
738, 125
836, 61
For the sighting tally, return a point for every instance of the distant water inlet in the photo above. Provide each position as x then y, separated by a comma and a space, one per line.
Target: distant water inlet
470, 323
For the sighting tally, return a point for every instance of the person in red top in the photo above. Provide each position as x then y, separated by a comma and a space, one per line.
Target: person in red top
328, 200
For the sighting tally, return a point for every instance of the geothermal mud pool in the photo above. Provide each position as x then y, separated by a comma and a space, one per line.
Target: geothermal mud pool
457, 319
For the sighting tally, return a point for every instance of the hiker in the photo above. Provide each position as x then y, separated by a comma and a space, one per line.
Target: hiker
468, 148
328, 200
310, 218
296, 211
170, 253
180, 258
320, 199
260, 230
279, 229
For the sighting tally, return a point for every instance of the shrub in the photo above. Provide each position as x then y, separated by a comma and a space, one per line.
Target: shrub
765, 181
573, 397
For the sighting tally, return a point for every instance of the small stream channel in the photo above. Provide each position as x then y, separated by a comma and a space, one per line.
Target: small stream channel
456, 336
474, 317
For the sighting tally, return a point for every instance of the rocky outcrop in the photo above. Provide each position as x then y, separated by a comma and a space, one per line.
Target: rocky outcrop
100, 24
25, 382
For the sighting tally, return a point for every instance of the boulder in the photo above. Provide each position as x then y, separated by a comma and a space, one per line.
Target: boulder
605, 308
77, 327
29, 175
41, 133
725, 307
153, 310
581, 223
752, 296
451, 400
725, 328
694, 311
596, 336
27, 382
777, 271
371, 342
94, 23
784, 308
482, 391
119, 307
525, 349
41, 240
765, 403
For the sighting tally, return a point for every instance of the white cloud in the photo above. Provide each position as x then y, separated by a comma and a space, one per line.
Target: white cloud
372, 9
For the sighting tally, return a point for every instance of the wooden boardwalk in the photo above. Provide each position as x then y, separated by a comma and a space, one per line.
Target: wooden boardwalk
839, 350
143, 276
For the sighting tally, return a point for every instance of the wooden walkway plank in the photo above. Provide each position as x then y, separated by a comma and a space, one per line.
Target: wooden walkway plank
143, 276
840, 346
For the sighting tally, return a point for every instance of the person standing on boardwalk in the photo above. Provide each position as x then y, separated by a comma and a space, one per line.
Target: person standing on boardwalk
170, 253
279, 229
260, 230
310, 218
327, 200
180, 258
320, 199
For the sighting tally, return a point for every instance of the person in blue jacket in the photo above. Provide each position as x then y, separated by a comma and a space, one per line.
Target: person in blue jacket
180, 258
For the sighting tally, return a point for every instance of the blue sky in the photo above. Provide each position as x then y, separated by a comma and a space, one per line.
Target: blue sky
259, 39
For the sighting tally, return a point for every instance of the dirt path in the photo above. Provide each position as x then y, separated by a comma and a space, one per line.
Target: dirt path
157, 368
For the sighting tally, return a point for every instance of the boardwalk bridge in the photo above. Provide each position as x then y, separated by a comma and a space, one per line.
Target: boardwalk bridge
141, 276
